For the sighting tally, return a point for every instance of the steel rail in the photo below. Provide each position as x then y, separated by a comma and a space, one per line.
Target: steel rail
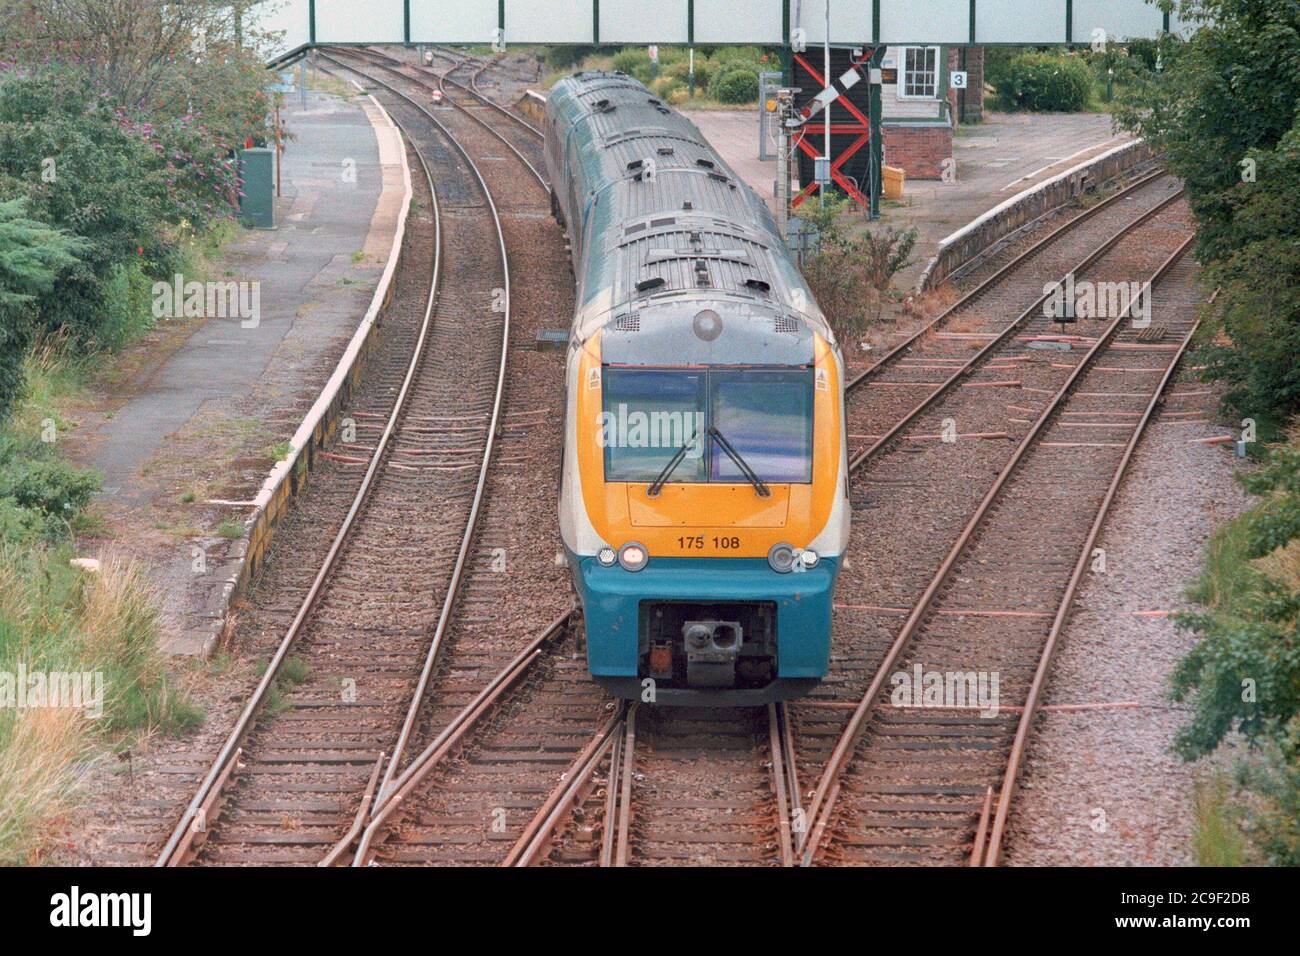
375, 60
369, 825
800, 831
176, 850
781, 760
823, 800
1011, 776
472, 87
540, 829
627, 765
858, 458
992, 281
487, 101
611, 802
489, 444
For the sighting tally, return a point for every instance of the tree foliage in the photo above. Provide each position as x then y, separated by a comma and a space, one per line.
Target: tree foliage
119, 124
1225, 112
32, 259
1243, 673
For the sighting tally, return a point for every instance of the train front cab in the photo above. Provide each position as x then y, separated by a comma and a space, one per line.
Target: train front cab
704, 589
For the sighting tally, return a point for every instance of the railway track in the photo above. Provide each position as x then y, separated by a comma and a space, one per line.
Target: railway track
675, 823
493, 668
522, 136
910, 779
362, 627
972, 333
672, 786
509, 754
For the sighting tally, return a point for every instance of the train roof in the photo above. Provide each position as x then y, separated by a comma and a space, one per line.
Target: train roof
676, 222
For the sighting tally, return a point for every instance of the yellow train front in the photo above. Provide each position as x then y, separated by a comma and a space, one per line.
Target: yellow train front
704, 501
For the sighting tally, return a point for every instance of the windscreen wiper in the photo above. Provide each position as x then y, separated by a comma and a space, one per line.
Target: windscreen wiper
657, 485
759, 488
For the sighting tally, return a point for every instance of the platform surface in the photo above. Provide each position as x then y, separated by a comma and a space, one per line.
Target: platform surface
996, 159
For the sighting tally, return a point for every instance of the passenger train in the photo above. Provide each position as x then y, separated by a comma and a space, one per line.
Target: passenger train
704, 498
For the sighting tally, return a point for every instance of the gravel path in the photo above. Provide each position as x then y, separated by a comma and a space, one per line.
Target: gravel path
1100, 787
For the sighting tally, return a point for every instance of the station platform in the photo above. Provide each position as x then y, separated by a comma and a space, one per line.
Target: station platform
996, 159
197, 411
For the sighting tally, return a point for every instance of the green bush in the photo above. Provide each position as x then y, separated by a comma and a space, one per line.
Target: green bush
735, 85
997, 65
566, 57
751, 57
1145, 51
635, 61
129, 306
1045, 82
18, 525
1242, 675
33, 257
51, 486
705, 69
665, 86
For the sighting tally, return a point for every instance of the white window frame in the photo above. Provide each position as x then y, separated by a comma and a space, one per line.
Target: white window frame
904, 72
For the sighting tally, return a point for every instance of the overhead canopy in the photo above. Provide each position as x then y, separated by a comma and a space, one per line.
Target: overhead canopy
768, 22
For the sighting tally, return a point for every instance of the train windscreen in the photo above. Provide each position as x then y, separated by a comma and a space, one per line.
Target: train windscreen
764, 415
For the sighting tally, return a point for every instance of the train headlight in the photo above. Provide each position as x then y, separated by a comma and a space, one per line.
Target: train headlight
633, 556
607, 556
781, 558
809, 558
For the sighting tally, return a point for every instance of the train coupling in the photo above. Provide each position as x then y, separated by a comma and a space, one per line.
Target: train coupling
712, 651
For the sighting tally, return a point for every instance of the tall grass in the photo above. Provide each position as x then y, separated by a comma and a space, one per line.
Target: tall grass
1227, 574
39, 755
57, 618
1217, 835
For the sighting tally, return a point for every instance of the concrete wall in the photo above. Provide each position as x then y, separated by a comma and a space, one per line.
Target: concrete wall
964, 247
533, 105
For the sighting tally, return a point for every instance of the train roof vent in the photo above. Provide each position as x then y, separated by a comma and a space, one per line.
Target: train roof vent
758, 285
635, 164
630, 322
784, 323
637, 227
667, 221
706, 163
645, 285
687, 204
603, 106
664, 150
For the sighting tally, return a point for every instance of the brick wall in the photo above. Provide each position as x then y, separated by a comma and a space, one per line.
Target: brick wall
967, 104
919, 150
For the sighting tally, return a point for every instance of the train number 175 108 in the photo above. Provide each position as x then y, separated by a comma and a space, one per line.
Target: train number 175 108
696, 542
